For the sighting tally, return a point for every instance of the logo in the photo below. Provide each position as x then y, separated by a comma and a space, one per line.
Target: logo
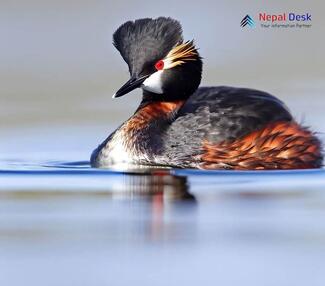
247, 20
280, 20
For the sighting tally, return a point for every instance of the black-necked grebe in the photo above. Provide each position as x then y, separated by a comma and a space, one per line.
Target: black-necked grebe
180, 125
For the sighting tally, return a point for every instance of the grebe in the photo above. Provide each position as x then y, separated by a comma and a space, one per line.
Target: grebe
180, 125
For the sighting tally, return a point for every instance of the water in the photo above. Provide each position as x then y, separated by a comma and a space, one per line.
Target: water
64, 223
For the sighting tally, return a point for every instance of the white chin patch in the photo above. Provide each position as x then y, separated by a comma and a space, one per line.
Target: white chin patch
153, 83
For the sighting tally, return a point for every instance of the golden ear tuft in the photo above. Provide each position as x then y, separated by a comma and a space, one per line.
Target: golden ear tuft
180, 54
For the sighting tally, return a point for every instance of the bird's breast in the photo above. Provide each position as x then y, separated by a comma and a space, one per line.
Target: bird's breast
138, 140
118, 151
121, 149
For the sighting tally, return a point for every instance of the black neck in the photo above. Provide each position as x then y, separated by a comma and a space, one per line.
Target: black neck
148, 97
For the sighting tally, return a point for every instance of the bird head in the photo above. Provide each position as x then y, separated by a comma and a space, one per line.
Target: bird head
159, 61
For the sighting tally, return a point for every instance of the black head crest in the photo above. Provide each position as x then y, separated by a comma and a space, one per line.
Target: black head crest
145, 41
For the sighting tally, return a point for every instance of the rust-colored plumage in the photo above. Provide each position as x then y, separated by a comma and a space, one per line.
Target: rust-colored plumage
151, 111
279, 145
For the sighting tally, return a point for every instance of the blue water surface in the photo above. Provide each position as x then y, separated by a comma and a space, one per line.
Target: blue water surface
64, 223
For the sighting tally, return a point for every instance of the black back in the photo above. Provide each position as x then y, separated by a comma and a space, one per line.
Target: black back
219, 114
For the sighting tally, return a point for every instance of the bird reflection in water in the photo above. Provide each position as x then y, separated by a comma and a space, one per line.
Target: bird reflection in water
156, 196
157, 184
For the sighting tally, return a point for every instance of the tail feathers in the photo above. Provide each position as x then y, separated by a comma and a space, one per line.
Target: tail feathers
279, 145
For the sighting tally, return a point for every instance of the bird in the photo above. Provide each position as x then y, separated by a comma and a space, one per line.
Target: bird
181, 125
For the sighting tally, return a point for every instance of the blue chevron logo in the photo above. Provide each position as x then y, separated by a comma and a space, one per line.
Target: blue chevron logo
247, 20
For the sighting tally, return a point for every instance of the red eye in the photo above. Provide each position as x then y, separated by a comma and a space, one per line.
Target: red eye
159, 65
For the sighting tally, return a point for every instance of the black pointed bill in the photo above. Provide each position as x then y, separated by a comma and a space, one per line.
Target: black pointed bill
130, 85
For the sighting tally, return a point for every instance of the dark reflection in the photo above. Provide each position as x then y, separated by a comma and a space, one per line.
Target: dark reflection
162, 206
158, 184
